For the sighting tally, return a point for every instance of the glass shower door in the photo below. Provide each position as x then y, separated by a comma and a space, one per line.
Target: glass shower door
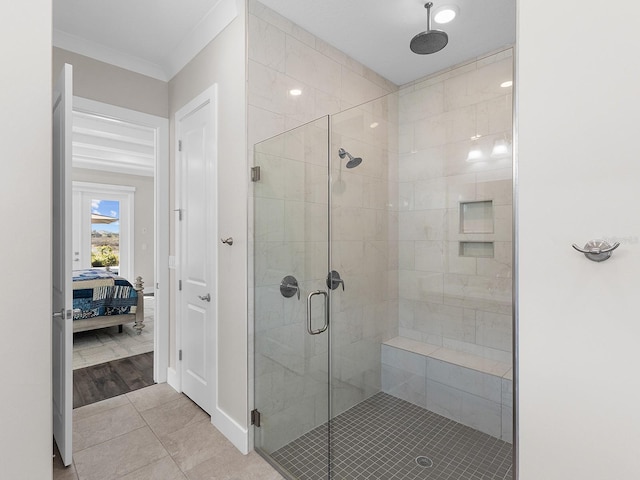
291, 341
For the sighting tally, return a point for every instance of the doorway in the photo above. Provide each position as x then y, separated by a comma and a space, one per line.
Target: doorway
118, 155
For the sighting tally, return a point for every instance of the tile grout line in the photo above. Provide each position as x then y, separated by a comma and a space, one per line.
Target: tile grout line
159, 439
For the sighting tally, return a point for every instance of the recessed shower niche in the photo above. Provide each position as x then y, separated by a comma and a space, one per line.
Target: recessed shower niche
476, 217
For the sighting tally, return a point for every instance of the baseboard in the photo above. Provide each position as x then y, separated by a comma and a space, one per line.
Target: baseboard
172, 379
235, 433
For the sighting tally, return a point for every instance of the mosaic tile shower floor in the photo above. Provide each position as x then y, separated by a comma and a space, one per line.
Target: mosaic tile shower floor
381, 438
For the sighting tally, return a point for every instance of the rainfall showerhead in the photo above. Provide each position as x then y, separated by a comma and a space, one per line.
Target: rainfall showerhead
353, 162
429, 41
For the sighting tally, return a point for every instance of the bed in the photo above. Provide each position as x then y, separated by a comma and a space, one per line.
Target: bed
103, 299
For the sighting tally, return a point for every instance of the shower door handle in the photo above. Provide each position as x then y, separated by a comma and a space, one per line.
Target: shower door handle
326, 312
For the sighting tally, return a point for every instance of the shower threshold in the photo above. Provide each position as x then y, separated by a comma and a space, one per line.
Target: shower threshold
385, 437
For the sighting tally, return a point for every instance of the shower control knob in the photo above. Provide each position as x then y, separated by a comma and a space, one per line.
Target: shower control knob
334, 280
289, 287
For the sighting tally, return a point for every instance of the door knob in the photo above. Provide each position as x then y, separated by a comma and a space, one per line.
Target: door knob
206, 298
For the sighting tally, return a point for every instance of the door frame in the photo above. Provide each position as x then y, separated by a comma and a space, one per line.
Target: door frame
210, 95
161, 224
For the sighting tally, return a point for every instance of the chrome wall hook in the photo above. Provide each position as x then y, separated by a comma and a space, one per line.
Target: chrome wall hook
228, 241
597, 250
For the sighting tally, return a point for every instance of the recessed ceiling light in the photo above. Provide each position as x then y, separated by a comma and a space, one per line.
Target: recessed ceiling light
506, 84
476, 137
374, 124
445, 14
295, 92
475, 155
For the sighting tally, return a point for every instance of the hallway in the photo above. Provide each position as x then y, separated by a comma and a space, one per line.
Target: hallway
157, 434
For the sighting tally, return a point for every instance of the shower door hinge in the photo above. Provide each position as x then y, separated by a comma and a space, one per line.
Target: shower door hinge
255, 174
180, 355
179, 145
255, 417
179, 285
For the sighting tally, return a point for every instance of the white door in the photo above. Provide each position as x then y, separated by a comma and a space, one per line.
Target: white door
62, 331
197, 247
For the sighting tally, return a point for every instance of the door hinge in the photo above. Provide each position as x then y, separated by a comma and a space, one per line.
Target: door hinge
179, 210
255, 417
180, 355
179, 145
255, 174
179, 285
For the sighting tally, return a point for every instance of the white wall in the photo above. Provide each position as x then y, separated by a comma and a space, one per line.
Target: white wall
25, 183
113, 85
223, 62
578, 80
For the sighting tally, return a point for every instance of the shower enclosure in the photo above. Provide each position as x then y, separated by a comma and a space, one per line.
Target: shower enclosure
382, 245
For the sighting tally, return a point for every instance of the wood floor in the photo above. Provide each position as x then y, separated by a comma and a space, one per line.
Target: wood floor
99, 382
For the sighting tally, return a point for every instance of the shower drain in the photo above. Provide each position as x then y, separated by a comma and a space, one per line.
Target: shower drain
424, 461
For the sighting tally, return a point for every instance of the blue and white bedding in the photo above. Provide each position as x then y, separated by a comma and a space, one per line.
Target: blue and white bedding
97, 293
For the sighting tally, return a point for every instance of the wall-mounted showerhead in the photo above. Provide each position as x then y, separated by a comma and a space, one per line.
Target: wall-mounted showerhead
429, 41
353, 162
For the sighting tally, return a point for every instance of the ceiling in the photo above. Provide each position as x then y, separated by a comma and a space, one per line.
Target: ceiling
158, 37
153, 37
104, 144
377, 32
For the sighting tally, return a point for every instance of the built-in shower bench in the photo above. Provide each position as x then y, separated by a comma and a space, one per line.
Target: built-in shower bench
469, 389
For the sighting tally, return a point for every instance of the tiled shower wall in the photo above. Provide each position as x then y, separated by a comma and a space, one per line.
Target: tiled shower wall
291, 218
445, 298
283, 56
363, 248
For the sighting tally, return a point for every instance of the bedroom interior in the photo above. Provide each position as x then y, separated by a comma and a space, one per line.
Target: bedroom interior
113, 168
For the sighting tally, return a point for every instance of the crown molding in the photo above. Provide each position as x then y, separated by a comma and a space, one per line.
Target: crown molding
211, 25
105, 54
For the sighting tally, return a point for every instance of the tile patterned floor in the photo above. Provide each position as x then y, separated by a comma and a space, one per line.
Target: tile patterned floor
154, 433
381, 438
106, 344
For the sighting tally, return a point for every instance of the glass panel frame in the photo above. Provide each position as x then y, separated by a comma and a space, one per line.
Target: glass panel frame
291, 388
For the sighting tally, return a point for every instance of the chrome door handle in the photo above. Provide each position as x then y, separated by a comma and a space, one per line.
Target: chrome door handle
206, 298
59, 314
326, 312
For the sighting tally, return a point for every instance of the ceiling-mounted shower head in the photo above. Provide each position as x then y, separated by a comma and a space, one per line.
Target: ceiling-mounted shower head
429, 41
353, 162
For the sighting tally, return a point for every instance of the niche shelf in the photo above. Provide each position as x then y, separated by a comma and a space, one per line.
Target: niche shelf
476, 217
476, 249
